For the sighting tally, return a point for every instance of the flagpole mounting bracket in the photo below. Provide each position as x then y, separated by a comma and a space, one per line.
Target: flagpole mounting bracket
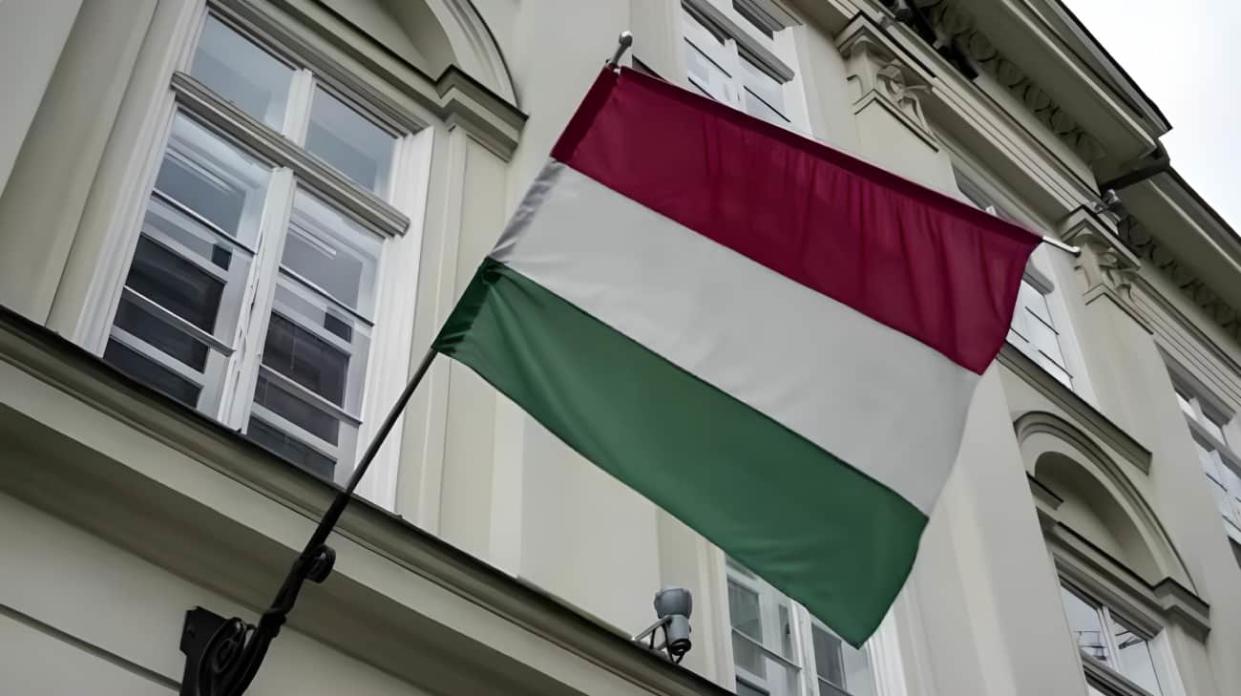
623, 42
222, 656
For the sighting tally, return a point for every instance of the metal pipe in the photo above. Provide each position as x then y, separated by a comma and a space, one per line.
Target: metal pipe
623, 42
1051, 241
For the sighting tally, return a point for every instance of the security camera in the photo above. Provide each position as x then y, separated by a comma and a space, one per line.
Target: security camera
673, 606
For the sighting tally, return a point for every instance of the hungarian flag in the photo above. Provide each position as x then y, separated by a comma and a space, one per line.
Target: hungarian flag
773, 341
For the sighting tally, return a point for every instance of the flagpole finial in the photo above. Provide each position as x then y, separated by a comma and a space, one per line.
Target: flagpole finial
623, 42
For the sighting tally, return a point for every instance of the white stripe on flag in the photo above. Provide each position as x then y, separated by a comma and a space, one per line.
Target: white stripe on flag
883, 402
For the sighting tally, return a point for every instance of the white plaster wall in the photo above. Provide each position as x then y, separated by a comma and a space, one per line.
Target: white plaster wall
32, 34
80, 615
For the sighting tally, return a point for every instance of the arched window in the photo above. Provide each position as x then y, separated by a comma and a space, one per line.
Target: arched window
1121, 580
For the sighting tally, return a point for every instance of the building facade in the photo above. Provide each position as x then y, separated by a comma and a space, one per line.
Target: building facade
229, 229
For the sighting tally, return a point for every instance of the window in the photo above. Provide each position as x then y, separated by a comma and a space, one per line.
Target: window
1108, 640
1035, 334
729, 61
1206, 425
778, 646
253, 290
1033, 330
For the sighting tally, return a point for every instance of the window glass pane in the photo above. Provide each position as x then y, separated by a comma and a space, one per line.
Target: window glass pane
763, 86
290, 449
190, 270
318, 346
151, 374
1186, 404
1209, 461
758, 108
1062, 376
350, 142
333, 253
744, 689
241, 72
1134, 658
1086, 625
213, 181
859, 680
705, 74
1213, 427
1033, 301
743, 612
318, 338
828, 660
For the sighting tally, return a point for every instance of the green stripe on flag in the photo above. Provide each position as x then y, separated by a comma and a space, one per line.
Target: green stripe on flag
811, 525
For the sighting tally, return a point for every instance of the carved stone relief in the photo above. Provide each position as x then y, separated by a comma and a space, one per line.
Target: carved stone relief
876, 74
956, 26
1144, 246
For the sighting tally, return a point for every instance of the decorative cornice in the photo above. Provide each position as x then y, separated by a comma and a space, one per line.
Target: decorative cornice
877, 75
1146, 247
955, 27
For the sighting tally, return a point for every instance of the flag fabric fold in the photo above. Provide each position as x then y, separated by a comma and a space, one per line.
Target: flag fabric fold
773, 341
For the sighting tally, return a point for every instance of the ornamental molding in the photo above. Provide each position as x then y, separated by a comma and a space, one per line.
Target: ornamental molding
952, 32
877, 75
1149, 250
1105, 261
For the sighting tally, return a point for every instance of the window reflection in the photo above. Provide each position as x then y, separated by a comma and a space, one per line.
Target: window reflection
241, 72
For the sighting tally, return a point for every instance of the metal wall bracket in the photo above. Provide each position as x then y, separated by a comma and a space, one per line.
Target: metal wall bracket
199, 627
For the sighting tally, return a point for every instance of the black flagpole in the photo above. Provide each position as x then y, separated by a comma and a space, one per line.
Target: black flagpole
222, 656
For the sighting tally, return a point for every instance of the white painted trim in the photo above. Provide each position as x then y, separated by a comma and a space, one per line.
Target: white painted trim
397, 290
103, 295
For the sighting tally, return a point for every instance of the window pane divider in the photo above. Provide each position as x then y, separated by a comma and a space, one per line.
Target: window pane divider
1226, 455
209, 225
316, 400
157, 356
162, 240
176, 322
717, 22
309, 285
295, 431
307, 324
768, 651
203, 104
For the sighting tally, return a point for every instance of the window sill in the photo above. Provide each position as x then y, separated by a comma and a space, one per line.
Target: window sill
1082, 412
1114, 682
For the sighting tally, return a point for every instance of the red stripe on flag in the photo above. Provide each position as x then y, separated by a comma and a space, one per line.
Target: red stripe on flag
920, 262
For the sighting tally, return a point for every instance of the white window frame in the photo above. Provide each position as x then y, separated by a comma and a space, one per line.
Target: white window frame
802, 660
1098, 672
703, 22
397, 216
977, 190
1204, 408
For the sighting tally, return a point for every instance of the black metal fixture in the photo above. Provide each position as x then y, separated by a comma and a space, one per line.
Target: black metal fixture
222, 656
